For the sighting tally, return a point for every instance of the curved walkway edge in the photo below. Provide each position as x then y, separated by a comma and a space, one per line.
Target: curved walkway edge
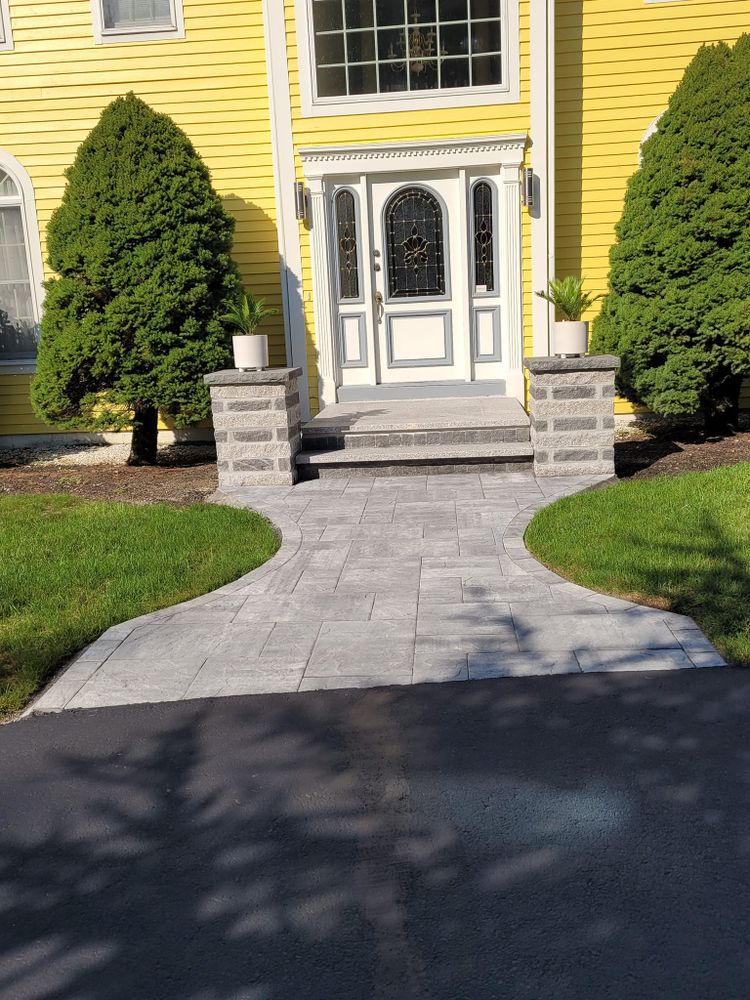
392, 580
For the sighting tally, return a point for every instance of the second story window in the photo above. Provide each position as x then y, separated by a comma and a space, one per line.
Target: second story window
137, 20
386, 46
408, 51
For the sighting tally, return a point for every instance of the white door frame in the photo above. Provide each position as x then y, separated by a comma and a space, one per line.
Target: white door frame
323, 164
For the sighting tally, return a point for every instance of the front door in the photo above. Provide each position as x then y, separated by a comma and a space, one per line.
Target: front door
417, 271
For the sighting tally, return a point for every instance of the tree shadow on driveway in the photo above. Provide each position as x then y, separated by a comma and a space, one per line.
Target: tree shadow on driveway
570, 837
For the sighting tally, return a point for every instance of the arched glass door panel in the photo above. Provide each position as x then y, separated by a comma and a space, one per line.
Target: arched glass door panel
415, 244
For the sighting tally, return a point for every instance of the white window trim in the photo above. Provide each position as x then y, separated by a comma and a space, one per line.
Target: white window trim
6, 42
16, 171
110, 36
507, 93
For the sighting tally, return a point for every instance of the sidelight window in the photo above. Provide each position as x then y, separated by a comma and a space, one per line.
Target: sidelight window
346, 244
484, 236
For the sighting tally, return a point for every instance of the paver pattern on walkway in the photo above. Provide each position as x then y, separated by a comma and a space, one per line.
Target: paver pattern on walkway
382, 581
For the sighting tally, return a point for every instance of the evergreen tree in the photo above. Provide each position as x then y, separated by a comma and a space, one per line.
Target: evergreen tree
678, 306
141, 244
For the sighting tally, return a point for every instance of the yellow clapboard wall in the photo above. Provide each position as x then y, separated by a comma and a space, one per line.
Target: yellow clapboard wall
213, 83
617, 63
400, 126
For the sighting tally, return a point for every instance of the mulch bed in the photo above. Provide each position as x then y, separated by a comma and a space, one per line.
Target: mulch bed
170, 483
181, 481
662, 453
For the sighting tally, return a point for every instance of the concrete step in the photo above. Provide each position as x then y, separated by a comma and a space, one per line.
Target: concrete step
326, 439
401, 460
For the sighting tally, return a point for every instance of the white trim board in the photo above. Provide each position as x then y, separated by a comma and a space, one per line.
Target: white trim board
508, 92
284, 176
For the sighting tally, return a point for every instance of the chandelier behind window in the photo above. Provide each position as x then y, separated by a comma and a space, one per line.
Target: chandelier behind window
422, 52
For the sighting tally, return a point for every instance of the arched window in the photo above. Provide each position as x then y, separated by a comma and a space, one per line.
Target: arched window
416, 252
20, 264
483, 214
346, 244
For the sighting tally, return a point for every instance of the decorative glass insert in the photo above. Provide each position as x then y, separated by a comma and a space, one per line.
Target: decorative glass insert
386, 46
484, 238
346, 245
8, 187
414, 237
124, 15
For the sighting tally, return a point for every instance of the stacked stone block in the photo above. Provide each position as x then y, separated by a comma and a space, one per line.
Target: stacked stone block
256, 417
572, 415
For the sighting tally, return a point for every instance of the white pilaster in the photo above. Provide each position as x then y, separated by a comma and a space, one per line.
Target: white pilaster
328, 369
512, 277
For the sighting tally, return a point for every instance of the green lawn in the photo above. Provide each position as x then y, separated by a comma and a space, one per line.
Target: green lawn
70, 568
681, 543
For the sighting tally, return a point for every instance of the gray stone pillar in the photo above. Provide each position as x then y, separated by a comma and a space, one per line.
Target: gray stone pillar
256, 419
572, 415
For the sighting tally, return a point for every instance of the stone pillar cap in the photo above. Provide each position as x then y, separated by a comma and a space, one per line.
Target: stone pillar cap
589, 363
268, 376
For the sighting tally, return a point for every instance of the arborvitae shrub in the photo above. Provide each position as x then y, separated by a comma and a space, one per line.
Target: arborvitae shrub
141, 245
678, 306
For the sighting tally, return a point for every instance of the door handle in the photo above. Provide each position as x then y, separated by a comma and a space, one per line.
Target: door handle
379, 310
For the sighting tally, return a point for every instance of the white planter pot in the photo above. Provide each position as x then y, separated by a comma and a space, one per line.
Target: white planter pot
570, 337
250, 352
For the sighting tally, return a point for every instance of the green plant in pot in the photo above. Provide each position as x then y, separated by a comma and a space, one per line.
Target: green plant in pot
245, 316
570, 335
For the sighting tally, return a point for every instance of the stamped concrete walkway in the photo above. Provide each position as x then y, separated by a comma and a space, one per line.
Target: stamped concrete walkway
382, 581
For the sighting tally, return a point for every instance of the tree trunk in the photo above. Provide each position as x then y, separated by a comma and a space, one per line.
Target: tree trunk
145, 431
721, 412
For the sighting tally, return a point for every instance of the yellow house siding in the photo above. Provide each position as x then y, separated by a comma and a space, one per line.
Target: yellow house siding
617, 63
401, 126
213, 84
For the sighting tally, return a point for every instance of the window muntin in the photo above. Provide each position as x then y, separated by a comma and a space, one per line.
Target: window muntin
19, 329
347, 249
391, 46
484, 236
415, 244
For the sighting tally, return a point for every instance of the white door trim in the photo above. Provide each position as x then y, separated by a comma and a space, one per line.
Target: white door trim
425, 154
322, 164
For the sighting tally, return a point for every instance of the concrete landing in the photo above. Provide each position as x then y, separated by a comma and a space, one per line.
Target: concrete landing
420, 415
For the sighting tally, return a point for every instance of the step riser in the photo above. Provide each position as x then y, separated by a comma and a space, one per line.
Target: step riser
431, 467
416, 439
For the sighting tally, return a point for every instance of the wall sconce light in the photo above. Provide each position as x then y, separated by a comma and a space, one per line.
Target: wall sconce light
300, 201
528, 187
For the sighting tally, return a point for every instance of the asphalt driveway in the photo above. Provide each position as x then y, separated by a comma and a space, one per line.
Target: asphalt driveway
576, 837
